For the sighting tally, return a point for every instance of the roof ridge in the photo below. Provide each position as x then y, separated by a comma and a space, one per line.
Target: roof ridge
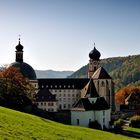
101, 73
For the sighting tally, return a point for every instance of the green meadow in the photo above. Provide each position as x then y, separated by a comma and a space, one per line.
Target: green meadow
16, 125
131, 129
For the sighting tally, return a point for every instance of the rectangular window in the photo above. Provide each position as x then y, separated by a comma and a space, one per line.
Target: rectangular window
60, 106
103, 120
103, 113
64, 106
77, 121
89, 120
50, 109
50, 104
77, 95
68, 105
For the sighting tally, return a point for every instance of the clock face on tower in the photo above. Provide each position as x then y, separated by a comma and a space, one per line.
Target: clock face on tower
95, 63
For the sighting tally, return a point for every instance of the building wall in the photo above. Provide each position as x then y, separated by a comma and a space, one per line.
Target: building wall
34, 83
84, 117
50, 106
66, 98
103, 117
105, 88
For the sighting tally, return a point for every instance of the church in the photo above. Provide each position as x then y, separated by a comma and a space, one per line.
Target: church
88, 99
68, 91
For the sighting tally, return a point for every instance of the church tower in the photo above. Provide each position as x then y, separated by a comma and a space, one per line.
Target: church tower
94, 62
19, 52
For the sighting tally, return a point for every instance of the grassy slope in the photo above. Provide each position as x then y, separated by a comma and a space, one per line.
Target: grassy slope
15, 125
137, 130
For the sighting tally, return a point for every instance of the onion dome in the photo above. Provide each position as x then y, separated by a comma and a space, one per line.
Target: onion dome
19, 47
26, 70
94, 54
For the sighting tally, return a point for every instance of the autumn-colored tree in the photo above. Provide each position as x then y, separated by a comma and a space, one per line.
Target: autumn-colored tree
15, 90
122, 94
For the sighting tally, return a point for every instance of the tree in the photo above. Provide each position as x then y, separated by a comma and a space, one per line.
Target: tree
15, 90
122, 94
135, 121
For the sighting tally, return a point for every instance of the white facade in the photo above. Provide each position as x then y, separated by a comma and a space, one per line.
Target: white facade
82, 118
47, 106
66, 98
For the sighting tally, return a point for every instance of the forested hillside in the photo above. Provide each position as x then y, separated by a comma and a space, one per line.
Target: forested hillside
125, 71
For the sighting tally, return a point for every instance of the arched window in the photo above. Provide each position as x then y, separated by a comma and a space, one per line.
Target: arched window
103, 84
94, 68
106, 82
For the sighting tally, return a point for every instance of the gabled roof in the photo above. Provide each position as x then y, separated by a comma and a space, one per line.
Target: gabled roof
45, 95
101, 73
91, 90
101, 104
85, 105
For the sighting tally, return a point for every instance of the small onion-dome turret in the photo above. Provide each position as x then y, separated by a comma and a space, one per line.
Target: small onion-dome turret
94, 54
19, 47
26, 70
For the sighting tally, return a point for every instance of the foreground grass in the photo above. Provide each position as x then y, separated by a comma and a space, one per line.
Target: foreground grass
15, 125
137, 130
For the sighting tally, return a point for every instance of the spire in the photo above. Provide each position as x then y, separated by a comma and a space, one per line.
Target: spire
19, 47
19, 39
19, 52
94, 44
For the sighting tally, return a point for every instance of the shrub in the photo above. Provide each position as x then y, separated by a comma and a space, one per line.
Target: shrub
94, 124
135, 121
118, 125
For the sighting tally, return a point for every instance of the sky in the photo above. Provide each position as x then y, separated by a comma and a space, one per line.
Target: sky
59, 34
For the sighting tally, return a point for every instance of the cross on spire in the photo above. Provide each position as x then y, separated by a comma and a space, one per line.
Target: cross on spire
94, 44
19, 36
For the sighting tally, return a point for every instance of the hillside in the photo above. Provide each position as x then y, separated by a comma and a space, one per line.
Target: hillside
125, 71
15, 125
52, 74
